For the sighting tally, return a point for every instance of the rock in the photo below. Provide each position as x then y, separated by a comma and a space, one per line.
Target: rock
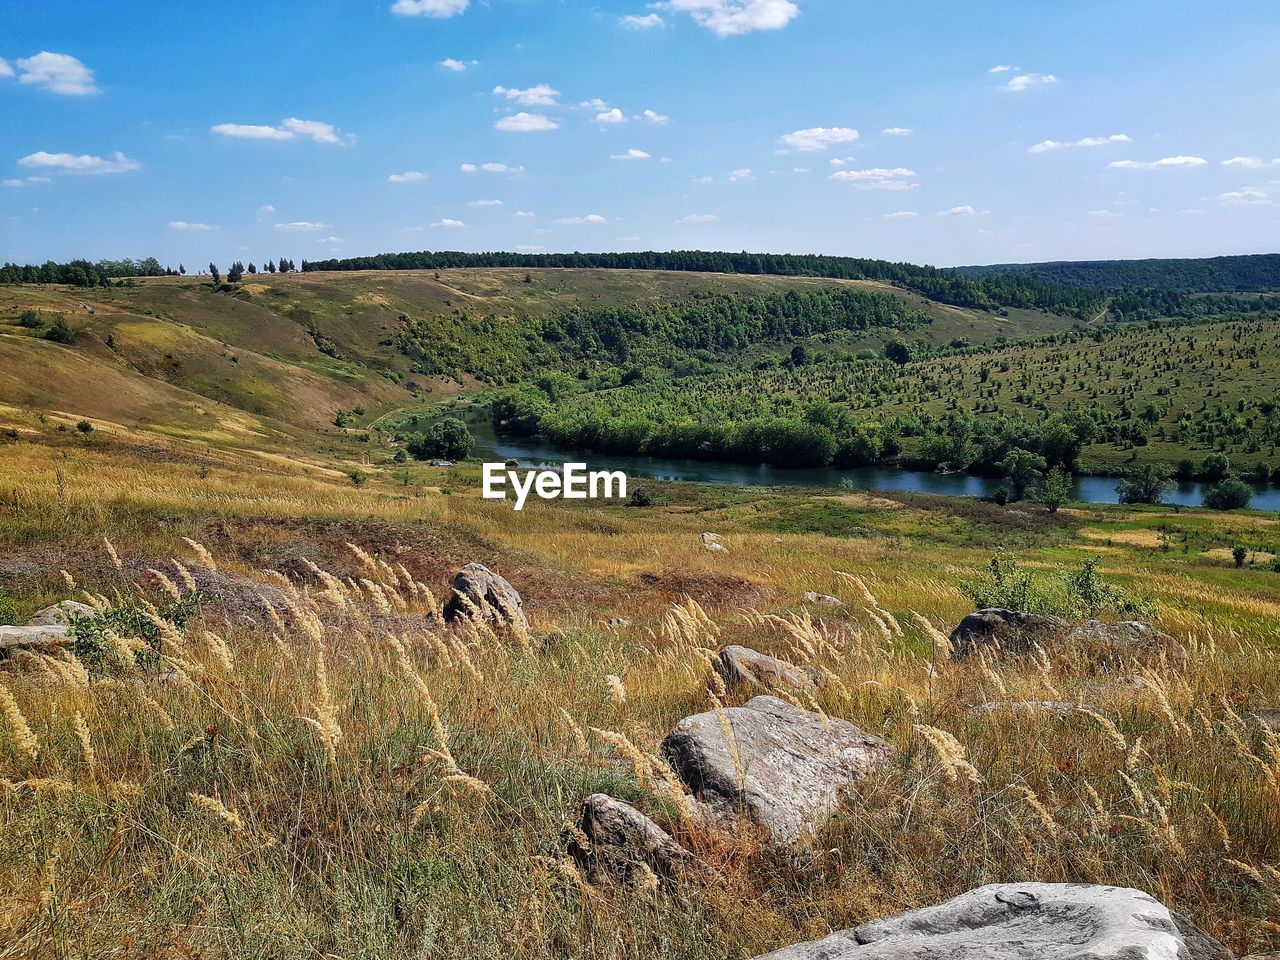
823, 598
794, 765
489, 592
1044, 707
714, 547
1014, 632
619, 622
744, 667
60, 614
711, 538
1023, 921
1268, 717
441, 463
33, 638
620, 840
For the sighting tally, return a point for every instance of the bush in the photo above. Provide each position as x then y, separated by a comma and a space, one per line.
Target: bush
1147, 484
131, 616
640, 497
1230, 494
1082, 594
59, 332
8, 609
447, 439
1239, 554
30, 320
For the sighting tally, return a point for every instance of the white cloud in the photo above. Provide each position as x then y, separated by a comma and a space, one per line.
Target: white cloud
818, 138
184, 226
409, 176
289, 129
1045, 146
611, 116
1000, 68
540, 95
654, 117
578, 221
965, 210
695, 218
1251, 163
484, 203
526, 123
266, 208
729, 18
429, 8
703, 179
741, 175
1162, 164
55, 72
5, 69
12, 182
1249, 196
529, 248
901, 215
85, 164
897, 131
632, 154
448, 224
1029, 81
489, 168
449, 63
303, 226
525, 214
878, 178
638, 22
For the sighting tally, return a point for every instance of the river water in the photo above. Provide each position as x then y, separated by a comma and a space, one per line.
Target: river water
532, 452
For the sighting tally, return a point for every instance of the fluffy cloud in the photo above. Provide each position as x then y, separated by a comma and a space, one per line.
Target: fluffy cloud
525, 214
1250, 196
695, 218
541, 95
84, 164
409, 176
489, 168
1251, 163
729, 18
578, 221
1162, 164
897, 131
878, 178
5, 69
632, 154
447, 224
964, 210
741, 175
303, 226
1000, 68
449, 63
185, 227
1045, 146
654, 117
611, 116
289, 129
818, 138
55, 72
523, 122
1029, 81
647, 21
901, 215
429, 8
484, 203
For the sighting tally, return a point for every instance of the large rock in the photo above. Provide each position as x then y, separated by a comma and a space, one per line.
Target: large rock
1012, 632
60, 614
621, 841
744, 667
33, 638
488, 592
1023, 921
786, 768
823, 598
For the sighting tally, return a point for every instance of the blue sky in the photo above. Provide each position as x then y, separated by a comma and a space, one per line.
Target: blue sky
933, 132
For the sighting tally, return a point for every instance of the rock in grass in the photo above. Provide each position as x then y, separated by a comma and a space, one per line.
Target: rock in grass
711, 543
1012, 632
823, 598
486, 592
785, 769
622, 844
744, 667
13, 639
60, 614
1023, 921
1268, 717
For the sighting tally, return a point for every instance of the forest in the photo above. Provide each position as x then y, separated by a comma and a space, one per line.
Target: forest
1256, 272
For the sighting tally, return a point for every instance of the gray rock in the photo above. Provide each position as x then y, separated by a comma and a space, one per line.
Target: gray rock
823, 598
619, 623
488, 592
744, 667
1014, 632
1023, 921
620, 841
711, 542
1126, 637
785, 770
1268, 717
33, 638
60, 613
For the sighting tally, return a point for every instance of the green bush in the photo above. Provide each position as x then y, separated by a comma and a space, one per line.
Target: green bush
1073, 595
447, 439
1230, 494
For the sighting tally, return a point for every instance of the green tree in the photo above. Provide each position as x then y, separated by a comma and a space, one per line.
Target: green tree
213, 272
1022, 469
1147, 483
1056, 489
447, 439
59, 332
30, 320
1215, 467
897, 351
1239, 554
1230, 494
236, 272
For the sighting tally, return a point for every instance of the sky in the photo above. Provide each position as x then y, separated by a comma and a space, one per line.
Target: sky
933, 132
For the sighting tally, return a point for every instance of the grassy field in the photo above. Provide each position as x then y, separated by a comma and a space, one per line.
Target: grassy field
332, 777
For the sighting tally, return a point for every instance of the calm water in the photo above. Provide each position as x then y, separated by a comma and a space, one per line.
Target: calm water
535, 453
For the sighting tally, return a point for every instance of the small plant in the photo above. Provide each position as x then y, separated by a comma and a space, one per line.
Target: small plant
640, 497
129, 617
8, 609
84, 426
1082, 594
1239, 554
358, 477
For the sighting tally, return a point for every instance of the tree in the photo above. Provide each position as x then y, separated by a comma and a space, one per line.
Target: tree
1215, 467
1056, 489
59, 332
447, 439
271, 266
182, 269
213, 272
1239, 554
236, 272
799, 355
1231, 494
252, 268
1022, 469
897, 351
30, 320
1147, 483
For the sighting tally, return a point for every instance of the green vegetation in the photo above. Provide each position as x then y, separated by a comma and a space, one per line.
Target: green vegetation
448, 439
1208, 275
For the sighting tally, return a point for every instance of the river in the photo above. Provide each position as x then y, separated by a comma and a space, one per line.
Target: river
532, 452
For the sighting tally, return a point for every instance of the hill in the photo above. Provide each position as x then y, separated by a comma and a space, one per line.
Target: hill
1257, 273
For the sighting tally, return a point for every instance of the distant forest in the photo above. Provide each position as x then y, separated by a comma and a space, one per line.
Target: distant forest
1258, 273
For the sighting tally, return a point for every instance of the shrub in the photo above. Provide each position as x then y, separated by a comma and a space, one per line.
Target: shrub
131, 616
1146, 484
1082, 594
447, 439
59, 332
30, 320
1239, 554
8, 609
1230, 494
640, 497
